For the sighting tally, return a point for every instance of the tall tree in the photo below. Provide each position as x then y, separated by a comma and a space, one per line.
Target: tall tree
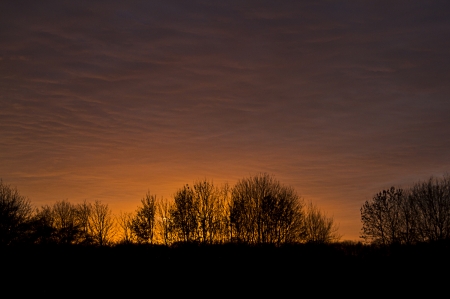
102, 224
65, 221
264, 211
381, 217
184, 215
165, 223
210, 212
43, 226
84, 211
143, 223
15, 213
432, 208
125, 222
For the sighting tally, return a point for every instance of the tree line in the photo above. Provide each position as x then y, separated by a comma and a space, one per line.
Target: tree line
418, 214
256, 210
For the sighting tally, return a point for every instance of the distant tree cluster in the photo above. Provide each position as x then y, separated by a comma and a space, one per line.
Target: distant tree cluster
418, 214
61, 223
256, 210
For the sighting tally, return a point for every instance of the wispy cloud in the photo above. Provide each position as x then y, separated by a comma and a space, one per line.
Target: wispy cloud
108, 99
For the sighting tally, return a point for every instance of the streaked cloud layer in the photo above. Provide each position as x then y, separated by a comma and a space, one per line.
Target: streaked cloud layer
338, 99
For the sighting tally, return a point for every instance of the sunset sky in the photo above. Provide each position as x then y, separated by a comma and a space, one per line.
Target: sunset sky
109, 99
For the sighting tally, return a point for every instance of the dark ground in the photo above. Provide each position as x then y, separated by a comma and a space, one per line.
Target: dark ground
230, 269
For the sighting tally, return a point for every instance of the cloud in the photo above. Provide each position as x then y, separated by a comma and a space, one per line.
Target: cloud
345, 95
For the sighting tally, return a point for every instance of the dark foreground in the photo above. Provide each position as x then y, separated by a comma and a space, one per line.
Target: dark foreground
230, 269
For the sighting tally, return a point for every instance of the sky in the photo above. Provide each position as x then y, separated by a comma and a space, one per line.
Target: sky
107, 100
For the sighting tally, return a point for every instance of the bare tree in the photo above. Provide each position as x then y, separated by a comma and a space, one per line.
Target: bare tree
264, 211
125, 221
165, 223
199, 213
432, 208
84, 211
15, 212
381, 217
143, 224
43, 226
223, 224
102, 224
210, 205
408, 218
420, 214
318, 227
66, 222
184, 216
62, 223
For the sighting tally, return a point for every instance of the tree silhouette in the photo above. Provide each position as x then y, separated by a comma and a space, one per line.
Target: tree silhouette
66, 222
198, 214
264, 211
102, 224
381, 217
318, 227
256, 210
143, 223
184, 215
125, 222
62, 223
210, 213
419, 214
84, 211
165, 223
15, 213
43, 227
432, 208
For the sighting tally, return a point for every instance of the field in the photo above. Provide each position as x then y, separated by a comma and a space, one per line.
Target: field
226, 269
